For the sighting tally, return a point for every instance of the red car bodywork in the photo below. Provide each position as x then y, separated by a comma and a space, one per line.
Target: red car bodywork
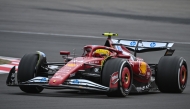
141, 70
111, 68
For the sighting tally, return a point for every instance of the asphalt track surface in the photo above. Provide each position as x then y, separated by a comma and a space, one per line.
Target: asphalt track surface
50, 26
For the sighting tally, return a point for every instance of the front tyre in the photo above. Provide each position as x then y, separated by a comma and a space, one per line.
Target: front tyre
124, 75
172, 74
27, 71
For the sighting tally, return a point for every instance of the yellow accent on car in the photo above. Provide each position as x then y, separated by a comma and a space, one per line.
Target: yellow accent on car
110, 34
143, 68
71, 65
102, 62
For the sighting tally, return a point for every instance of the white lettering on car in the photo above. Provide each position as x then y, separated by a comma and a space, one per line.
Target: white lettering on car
114, 77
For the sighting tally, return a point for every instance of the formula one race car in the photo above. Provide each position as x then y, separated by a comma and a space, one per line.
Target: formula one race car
110, 68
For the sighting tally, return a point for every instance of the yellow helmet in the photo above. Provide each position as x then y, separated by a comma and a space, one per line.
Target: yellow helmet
101, 52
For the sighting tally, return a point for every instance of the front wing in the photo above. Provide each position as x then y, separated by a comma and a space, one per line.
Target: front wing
81, 84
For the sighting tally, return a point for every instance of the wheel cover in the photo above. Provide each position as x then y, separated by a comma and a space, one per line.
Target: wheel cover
126, 78
183, 77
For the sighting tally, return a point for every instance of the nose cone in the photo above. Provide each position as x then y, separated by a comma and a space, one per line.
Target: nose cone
55, 82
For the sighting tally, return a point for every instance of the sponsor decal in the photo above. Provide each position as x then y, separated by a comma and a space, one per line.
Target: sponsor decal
118, 48
93, 62
153, 44
139, 59
36, 79
71, 65
133, 43
114, 77
142, 68
114, 80
79, 61
76, 81
43, 80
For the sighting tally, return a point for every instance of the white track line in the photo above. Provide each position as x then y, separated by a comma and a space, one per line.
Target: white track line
3, 72
8, 66
50, 34
14, 62
53, 34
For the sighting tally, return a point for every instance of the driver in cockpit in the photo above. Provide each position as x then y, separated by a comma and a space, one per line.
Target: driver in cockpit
101, 53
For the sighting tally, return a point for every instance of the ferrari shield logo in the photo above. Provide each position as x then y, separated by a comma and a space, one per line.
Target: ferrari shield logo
142, 68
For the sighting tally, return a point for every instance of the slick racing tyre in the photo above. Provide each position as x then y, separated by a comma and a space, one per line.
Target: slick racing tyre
125, 76
172, 74
26, 71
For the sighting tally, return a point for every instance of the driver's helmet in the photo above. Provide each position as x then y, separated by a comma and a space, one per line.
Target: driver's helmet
101, 53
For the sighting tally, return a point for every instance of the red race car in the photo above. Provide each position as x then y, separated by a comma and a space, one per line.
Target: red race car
110, 68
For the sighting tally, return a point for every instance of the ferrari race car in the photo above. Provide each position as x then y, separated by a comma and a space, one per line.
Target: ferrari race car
110, 68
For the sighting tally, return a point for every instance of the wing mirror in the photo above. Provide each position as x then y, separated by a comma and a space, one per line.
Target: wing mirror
64, 53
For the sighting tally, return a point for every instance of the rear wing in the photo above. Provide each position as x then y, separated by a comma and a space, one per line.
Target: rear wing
140, 46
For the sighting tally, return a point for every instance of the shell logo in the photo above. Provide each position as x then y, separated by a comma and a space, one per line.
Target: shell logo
142, 68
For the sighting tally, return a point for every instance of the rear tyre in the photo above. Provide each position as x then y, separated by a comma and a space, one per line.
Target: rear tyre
27, 71
172, 74
124, 74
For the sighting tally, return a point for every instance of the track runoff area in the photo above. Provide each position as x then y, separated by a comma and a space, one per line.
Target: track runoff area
5, 68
